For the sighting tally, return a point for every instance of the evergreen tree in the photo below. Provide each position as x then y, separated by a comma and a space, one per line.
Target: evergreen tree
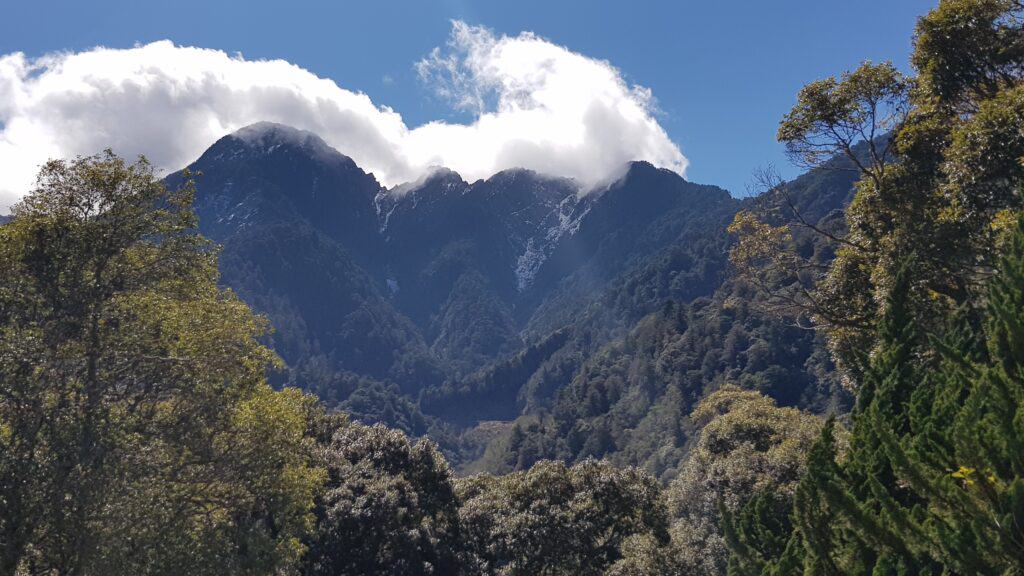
965, 456
758, 533
934, 478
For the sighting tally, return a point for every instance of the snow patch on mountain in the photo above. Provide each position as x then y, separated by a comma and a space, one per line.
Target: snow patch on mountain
567, 216
384, 203
528, 264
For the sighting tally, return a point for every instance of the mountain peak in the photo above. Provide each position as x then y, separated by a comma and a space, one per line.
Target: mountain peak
269, 136
513, 175
438, 179
268, 173
267, 129
644, 168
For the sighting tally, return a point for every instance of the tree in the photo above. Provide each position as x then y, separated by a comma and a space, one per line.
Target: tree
961, 455
746, 446
969, 50
389, 507
138, 434
908, 496
837, 124
833, 115
644, 555
863, 500
555, 519
758, 533
931, 478
934, 478
938, 159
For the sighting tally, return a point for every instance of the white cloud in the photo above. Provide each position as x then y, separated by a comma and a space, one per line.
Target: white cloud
536, 105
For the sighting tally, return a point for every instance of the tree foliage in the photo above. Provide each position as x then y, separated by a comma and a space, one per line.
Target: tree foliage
932, 482
139, 435
746, 446
137, 432
939, 166
389, 507
935, 249
556, 519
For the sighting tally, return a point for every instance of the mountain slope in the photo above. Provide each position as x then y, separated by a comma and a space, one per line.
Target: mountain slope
297, 223
544, 320
627, 400
647, 211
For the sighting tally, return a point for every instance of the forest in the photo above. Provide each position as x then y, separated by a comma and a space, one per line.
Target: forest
829, 382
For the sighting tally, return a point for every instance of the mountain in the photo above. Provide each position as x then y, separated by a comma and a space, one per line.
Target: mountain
452, 251
273, 173
297, 223
468, 310
625, 396
649, 215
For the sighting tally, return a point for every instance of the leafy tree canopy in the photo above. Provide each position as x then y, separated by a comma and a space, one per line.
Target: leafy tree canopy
137, 432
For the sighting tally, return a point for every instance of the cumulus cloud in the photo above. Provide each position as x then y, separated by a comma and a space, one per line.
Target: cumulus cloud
534, 104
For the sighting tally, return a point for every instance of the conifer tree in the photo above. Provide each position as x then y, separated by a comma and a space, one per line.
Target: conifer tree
759, 532
933, 482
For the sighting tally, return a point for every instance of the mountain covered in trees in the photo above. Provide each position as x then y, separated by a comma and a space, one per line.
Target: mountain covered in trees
516, 376
511, 319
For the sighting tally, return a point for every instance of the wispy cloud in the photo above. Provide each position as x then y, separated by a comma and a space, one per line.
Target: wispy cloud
534, 104
541, 106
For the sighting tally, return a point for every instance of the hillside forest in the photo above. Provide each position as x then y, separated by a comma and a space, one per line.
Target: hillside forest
215, 372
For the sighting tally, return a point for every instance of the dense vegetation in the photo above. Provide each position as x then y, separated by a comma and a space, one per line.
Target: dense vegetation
922, 308
846, 399
460, 307
138, 433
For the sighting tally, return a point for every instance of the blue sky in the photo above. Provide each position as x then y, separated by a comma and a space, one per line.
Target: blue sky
722, 74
